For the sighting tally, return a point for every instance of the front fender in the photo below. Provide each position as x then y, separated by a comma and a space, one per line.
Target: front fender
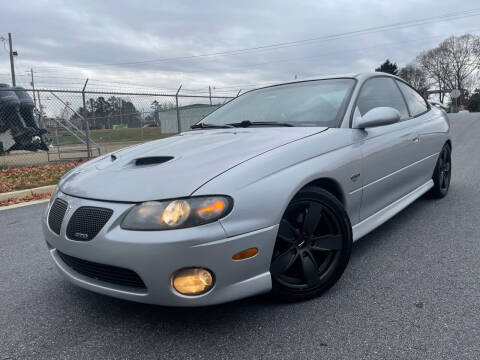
262, 187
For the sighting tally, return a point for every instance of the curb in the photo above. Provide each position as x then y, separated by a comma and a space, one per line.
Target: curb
27, 203
27, 192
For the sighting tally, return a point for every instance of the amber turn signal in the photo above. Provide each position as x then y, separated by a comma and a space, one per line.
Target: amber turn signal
245, 254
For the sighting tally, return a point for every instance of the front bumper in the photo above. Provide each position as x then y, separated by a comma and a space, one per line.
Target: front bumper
156, 255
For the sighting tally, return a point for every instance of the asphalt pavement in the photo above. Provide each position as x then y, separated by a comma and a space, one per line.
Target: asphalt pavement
411, 291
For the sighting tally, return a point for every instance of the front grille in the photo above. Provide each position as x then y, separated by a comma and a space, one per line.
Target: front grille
106, 273
55, 217
87, 222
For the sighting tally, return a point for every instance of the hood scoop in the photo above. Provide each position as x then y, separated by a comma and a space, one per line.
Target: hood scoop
152, 160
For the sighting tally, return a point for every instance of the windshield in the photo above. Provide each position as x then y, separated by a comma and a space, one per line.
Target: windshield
311, 103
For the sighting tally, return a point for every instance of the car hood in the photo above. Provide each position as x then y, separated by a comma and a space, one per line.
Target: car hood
175, 166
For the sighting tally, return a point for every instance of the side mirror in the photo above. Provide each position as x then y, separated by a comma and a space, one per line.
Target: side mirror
378, 116
438, 104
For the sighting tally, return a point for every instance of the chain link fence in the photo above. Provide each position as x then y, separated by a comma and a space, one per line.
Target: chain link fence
47, 125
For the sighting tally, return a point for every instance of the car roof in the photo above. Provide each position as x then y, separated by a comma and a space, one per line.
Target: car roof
358, 76
367, 75
354, 75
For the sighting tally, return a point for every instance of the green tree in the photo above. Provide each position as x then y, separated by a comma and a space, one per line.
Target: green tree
388, 67
102, 107
103, 113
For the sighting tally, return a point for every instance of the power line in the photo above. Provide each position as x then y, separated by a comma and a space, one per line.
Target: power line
219, 89
232, 88
281, 45
376, 46
226, 88
109, 83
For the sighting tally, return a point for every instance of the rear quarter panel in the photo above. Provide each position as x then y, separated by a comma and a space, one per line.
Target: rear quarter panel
434, 132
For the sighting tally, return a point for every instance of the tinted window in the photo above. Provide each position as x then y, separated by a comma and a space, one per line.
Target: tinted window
415, 102
311, 103
379, 92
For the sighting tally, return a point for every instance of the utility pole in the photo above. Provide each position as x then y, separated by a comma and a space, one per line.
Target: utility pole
85, 121
40, 113
210, 92
33, 89
179, 124
12, 65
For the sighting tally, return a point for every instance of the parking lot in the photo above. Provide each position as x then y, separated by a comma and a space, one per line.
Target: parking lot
411, 291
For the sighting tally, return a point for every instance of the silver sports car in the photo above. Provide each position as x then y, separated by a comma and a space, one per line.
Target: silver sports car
267, 193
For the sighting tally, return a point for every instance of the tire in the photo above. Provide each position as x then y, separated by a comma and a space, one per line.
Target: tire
442, 174
313, 246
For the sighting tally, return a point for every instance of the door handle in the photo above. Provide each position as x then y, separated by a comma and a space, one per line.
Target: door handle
416, 139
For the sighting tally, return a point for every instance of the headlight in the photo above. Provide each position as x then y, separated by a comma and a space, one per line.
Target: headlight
176, 214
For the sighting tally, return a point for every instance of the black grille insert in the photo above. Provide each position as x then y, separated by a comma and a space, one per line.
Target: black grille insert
87, 221
56, 215
107, 273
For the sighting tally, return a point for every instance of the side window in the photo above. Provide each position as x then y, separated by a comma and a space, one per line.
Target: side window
415, 102
381, 91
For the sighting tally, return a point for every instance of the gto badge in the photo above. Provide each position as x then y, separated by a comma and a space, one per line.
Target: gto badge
81, 235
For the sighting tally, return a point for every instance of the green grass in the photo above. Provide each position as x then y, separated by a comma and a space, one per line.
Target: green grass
109, 135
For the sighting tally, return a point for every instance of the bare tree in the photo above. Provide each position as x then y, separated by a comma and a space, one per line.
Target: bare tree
453, 64
434, 64
463, 56
416, 77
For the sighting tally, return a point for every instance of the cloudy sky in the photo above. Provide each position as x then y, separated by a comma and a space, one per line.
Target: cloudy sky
155, 44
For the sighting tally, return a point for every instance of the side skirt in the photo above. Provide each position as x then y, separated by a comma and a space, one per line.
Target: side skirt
372, 222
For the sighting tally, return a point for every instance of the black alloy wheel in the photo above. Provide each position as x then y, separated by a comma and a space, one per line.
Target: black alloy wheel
442, 173
313, 246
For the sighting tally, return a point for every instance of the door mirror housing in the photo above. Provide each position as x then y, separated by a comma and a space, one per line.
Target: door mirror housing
378, 116
438, 104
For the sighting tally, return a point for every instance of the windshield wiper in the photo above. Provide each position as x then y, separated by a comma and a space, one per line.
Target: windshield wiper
248, 123
209, 126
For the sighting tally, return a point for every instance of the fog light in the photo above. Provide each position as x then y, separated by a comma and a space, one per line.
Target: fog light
192, 281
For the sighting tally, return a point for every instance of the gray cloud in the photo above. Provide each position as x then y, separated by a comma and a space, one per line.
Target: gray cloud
70, 39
